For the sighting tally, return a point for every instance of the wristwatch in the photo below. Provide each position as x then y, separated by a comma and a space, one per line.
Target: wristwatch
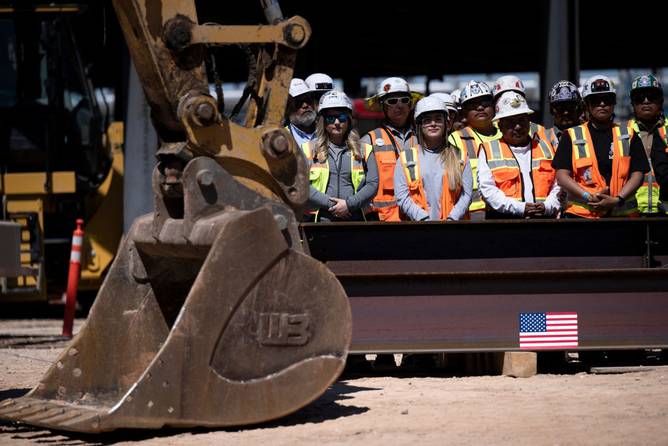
621, 201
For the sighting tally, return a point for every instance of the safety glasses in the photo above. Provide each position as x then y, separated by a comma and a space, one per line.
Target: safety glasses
331, 119
606, 99
475, 103
395, 101
638, 97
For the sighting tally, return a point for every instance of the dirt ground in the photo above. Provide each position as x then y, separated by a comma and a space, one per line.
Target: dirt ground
562, 409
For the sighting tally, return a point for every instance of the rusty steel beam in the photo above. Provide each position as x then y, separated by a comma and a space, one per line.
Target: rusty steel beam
461, 287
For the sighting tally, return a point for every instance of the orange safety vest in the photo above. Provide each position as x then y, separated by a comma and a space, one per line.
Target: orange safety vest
411, 165
506, 170
386, 150
586, 173
551, 135
541, 132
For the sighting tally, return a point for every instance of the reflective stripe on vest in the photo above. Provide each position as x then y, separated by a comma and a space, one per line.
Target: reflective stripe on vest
410, 162
319, 171
386, 158
507, 173
468, 140
647, 195
587, 175
540, 132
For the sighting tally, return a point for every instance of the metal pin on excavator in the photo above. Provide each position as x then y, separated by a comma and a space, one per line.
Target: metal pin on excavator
211, 314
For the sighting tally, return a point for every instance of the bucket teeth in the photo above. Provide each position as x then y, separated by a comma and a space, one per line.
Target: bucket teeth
48, 413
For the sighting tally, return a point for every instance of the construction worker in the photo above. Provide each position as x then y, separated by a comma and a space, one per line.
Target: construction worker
460, 121
450, 106
597, 163
515, 172
319, 84
301, 112
565, 102
343, 172
433, 180
650, 124
396, 100
513, 83
477, 105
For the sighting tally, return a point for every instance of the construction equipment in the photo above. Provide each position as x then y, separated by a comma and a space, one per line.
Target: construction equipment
211, 314
60, 158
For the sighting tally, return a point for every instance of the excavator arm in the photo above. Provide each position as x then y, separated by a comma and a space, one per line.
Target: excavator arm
211, 314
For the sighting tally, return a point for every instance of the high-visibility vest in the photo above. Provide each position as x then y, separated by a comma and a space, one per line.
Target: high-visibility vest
318, 174
508, 176
647, 195
588, 176
469, 141
386, 151
547, 135
552, 137
410, 162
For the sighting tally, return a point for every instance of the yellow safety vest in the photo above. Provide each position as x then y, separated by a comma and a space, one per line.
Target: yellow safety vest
647, 195
470, 141
318, 174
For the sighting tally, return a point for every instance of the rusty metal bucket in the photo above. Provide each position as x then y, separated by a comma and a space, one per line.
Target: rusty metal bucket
213, 319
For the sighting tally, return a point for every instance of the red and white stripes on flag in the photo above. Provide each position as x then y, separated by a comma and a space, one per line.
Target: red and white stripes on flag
542, 331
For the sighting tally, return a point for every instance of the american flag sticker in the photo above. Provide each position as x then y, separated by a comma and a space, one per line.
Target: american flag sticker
542, 331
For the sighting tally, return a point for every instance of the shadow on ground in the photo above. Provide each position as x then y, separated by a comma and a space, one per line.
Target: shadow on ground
323, 409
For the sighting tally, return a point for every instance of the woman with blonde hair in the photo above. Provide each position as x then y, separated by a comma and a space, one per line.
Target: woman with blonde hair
343, 171
433, 181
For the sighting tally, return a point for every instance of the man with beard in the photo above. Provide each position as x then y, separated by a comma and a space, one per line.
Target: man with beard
598, 163
301, 112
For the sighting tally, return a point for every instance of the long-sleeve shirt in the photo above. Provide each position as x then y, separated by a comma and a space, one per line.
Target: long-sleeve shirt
431, 173
497, 200
340, 185
299, 135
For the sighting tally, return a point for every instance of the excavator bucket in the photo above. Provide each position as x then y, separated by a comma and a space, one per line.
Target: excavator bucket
213, 319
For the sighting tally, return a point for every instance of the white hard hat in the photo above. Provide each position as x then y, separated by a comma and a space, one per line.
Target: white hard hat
447, 100
511, 103
429, 104
598, 84
298, 87
474, 90
509, 83
455, 96
319, 82
389, 86
393, 85
335, 99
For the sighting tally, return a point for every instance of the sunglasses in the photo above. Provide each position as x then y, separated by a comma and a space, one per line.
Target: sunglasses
472, 105
330, 119
607, 99
638, 97
395, 101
